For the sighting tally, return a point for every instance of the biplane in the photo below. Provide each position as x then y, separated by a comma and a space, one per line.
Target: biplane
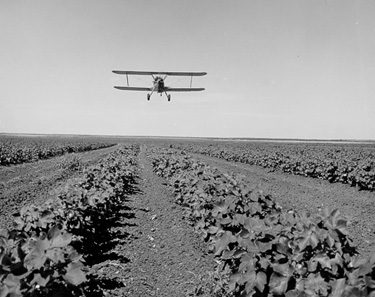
158, 85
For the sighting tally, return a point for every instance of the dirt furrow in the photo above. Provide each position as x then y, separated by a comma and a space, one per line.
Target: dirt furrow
165, 256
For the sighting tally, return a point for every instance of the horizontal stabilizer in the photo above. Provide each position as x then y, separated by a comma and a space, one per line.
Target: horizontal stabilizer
184, 89
159, 73
133, 88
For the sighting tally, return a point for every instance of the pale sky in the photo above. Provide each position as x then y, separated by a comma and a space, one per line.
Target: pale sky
276, 68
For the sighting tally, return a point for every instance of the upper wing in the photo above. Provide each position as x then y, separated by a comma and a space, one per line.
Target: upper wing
161, 73
184, 89
133, 88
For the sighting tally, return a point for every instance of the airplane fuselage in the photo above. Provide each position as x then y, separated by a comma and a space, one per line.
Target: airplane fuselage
159, 85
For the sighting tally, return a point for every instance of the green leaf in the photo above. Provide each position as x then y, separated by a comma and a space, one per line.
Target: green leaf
252, 225
233, 280
248, 278
213, 229
226, 221
11, 281
247, 263
324, 261
255, 208
223, 242
330, 241
315, 284
312, 265
283, 269
338, 287
200, 224
370, 282
278, 283
238, 253
372, 259
365, 268
53, 232
249, 245
255, 195
238, 219
283, 247
265, 246
18, 223
296, 293
335, 220
227, 254
341, 226
4, 291
337, 261
55, 255
308, 237
61, 240
74, 275
261, 281
357, 261
46, 217
41, 281
35, 259
236, 193
220, 207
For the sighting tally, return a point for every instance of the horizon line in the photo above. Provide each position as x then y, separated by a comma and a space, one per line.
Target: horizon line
190, 137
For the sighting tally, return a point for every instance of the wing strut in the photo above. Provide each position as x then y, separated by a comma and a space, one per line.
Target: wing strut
127, 79
191, 81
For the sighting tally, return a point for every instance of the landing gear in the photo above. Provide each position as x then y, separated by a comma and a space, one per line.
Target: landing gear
168, 96
149, 95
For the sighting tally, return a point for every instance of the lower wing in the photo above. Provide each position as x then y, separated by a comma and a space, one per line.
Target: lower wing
184, 89
133, 88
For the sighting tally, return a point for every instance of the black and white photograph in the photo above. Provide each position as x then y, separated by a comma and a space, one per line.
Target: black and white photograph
176, 148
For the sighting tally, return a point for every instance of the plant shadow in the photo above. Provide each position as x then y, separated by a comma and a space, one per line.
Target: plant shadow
95, 286
100, 244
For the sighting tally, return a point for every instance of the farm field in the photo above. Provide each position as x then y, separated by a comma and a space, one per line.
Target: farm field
167, 222
348, 163
18, 150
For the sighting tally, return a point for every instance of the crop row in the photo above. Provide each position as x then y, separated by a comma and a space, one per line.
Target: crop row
50, 247
18, 151
350, 165
263, 250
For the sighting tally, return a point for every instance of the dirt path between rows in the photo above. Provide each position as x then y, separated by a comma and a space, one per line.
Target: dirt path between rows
307, 194
165, 256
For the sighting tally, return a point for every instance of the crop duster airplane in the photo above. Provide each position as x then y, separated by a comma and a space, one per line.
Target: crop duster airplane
158, 83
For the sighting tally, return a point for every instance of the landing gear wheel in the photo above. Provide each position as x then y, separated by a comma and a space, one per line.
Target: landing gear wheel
148, 97
169, 97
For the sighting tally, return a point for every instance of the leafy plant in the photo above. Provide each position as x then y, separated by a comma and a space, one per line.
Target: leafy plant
39, 265
262, 250
354, 165
17, 150
46, 251
72, 162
